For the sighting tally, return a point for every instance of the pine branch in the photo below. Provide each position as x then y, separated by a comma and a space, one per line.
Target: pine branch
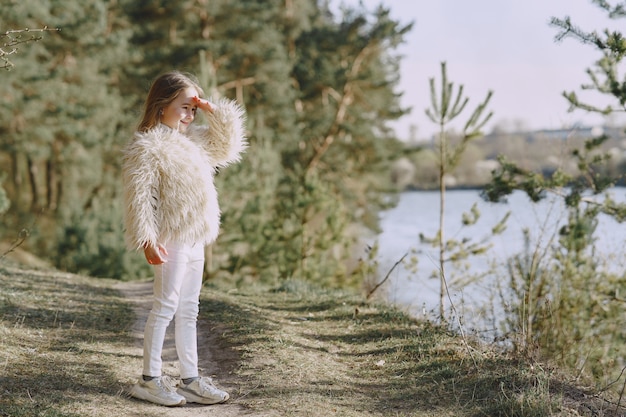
346, 99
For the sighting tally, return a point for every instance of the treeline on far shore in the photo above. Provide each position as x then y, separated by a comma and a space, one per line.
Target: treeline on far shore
541, 151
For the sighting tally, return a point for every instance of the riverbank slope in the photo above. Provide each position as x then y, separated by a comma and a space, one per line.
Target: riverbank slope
71, 346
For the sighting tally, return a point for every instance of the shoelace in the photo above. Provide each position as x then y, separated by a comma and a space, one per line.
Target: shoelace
206, 384
167, 383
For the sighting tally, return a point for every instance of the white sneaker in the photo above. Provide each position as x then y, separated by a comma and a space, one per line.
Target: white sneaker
159, 390
202, 390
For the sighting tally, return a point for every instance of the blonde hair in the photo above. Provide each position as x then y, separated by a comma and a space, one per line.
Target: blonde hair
163, 91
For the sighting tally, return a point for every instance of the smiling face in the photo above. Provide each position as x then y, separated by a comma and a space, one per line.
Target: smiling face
182, 111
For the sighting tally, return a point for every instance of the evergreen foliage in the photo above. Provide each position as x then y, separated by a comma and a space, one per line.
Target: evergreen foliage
566, 302
446, 106
318, 89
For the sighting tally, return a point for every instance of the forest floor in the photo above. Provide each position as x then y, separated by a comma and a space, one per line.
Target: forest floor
71, 346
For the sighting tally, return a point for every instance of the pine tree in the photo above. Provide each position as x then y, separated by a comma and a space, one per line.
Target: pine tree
446, 107
12, 40
61, 117
346, 79
567, 304
317, 93
318, 139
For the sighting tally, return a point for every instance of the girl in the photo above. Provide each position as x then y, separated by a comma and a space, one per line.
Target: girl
171, 213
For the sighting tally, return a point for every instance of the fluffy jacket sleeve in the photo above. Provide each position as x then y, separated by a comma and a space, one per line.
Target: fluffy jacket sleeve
224, 138
141, 193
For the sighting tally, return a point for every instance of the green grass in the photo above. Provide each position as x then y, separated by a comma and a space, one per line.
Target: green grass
66, 350
53, 329
330, 353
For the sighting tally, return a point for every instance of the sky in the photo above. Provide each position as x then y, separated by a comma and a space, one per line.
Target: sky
504, 46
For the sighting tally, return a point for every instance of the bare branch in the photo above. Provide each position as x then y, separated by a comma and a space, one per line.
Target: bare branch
369, 294
21, 238
11, 38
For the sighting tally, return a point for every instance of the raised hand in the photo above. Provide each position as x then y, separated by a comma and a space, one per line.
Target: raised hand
203, 104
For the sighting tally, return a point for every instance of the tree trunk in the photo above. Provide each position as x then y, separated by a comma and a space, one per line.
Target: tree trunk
442, 206
32, 179
51, 181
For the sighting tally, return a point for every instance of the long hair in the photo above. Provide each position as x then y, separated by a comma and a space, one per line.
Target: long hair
163, 91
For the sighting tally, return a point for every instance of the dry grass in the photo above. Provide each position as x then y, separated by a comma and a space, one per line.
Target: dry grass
67, 349
58, 336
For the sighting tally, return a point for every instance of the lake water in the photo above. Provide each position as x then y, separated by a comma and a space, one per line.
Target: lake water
418, 212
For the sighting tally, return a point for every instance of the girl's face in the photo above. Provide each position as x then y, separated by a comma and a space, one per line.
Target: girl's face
180, 113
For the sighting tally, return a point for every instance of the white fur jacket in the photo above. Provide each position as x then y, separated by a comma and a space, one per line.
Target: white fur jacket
169, 194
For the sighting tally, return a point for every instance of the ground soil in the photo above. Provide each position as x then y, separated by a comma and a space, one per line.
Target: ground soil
72, 346
213, 360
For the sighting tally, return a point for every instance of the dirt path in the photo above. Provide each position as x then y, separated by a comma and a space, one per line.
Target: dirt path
213, 361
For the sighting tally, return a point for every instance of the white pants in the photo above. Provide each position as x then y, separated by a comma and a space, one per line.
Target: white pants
177, 285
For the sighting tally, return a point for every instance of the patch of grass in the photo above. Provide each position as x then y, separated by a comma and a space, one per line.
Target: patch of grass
57, 335
308, 352
295, 350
